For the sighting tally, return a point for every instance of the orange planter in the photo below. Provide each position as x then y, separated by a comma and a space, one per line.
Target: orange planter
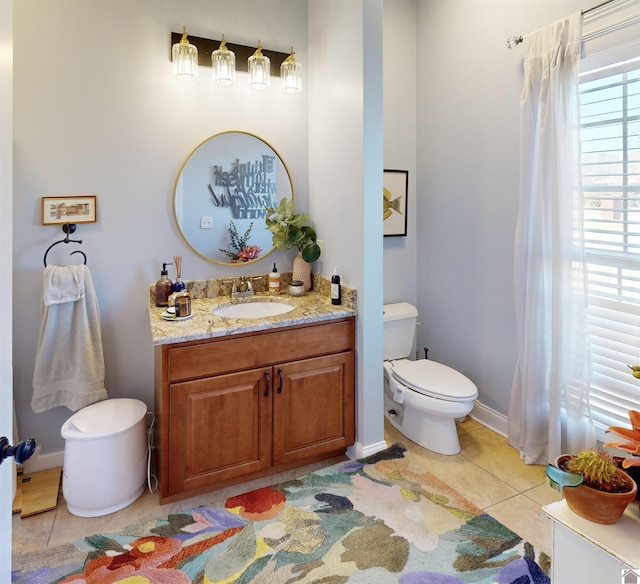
594, 505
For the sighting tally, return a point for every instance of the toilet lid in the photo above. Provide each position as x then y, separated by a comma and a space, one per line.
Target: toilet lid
435, 379
109, 416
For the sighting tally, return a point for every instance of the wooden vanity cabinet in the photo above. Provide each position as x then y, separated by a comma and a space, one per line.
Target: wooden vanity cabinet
238, 407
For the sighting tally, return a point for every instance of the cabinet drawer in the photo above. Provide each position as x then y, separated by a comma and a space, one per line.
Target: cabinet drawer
259, 349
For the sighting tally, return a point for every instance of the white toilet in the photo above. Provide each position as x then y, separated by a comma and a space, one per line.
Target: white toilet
105, 457
422, 399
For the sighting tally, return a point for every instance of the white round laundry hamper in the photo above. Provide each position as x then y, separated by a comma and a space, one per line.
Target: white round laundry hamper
105, 457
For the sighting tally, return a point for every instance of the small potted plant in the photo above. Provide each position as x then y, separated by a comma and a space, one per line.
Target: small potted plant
241, 251
289, 230
593, 486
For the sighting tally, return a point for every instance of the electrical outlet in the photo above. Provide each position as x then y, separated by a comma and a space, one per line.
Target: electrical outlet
321, 246
206, 222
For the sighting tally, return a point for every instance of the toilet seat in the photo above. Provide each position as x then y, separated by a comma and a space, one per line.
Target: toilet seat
434, 380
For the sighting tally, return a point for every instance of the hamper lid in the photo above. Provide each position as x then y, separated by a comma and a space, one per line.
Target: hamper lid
107, 417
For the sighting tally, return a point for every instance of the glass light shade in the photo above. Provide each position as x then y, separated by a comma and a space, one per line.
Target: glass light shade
259, 69
291, 74
223, 62
185, 59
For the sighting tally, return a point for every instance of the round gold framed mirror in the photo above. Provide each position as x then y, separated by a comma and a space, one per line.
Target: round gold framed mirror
221, 194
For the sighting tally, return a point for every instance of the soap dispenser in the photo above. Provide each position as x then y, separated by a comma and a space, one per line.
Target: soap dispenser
274, 281
164, 287
336, 292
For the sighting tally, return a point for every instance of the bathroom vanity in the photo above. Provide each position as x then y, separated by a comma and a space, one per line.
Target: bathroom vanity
237, 399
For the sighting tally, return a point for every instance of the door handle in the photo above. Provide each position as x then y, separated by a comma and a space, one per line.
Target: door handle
266, 376
20, 452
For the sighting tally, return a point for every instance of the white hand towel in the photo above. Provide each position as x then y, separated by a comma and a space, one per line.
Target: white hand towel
69, 366
62, 284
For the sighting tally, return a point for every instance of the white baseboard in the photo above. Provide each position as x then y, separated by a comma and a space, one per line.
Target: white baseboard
39, 462
490, 418
481, 413
361, 451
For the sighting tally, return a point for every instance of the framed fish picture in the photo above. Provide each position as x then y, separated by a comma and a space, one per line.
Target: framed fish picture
395, 188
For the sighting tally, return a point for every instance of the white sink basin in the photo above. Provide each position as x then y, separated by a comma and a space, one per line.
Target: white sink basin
253, 309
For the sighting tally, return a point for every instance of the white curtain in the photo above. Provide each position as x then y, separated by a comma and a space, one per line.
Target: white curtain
548, 408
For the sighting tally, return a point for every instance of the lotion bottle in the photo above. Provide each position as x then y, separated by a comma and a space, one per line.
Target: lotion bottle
336, 292
164, 287
274, 281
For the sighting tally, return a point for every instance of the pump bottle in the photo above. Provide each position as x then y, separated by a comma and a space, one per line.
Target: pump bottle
336, 292
164, 287
274, 281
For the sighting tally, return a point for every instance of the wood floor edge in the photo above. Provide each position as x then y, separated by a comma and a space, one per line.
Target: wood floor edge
37, 492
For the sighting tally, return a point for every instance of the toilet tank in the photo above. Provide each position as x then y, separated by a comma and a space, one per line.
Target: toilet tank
399, 329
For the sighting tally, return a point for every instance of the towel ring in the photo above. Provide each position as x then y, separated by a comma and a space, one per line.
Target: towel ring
66, 240
84, 255
67, 228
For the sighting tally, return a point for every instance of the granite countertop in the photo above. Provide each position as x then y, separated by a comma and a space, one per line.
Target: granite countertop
312, 307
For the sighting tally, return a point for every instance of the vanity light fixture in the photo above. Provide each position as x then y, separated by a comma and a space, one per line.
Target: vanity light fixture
290, 74
259, 66
185, 59
223, 62
226, 58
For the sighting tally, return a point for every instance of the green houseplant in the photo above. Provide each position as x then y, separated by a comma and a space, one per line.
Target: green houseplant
592, 485
241, 251
289, 230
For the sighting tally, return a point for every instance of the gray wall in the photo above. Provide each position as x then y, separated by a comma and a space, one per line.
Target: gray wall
400, 134
345, 172
468, 93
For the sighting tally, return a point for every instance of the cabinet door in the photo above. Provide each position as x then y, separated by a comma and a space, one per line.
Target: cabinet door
314, 410
220, 428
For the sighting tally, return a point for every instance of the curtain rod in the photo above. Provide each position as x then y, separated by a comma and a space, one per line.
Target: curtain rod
514, 41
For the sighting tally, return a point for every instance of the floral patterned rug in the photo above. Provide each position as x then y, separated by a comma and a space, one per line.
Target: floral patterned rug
370, 521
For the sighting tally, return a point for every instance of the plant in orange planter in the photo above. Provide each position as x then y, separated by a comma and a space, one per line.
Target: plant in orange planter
592, 485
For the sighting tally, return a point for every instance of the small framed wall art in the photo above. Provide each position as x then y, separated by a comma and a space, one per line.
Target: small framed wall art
395, 187
80, 209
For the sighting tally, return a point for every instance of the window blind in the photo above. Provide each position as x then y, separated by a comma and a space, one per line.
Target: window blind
610, 164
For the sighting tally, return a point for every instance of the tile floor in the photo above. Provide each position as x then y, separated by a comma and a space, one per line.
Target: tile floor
488, 472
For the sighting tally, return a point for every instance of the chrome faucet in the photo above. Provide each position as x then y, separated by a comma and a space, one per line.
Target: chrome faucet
241, 288
245, 286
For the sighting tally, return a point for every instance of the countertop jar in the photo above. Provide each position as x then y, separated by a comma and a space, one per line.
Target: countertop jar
296, 288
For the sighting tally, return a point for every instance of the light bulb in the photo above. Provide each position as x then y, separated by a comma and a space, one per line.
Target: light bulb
290, 74
185, 59
223, 62
259, 69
